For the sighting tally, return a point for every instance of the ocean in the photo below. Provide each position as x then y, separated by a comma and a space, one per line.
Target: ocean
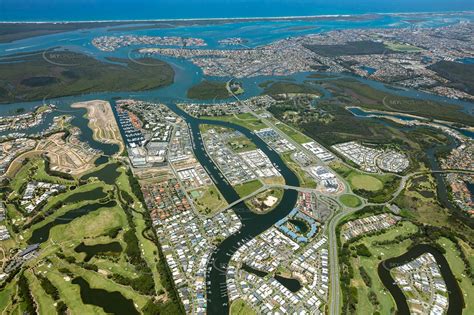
97, 10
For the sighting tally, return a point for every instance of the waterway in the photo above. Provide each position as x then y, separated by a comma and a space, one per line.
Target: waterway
456, 301
252, 224
111, 302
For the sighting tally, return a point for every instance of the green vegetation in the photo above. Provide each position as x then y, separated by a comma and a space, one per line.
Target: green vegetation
365, 47
402, 47
208, 200
375, 188
305, 180
281, 87
363, 292
453, 256
245, 120
296, 135
363, 95
367, 182
208, 90
418, 201
241, 144
60, 73
350, 201
247, 188
240, 307
138, 272
362, 289
460, 74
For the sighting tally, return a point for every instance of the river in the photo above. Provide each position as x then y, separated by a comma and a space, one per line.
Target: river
456, 301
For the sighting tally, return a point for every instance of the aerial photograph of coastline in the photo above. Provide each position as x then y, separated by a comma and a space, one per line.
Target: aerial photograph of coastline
237, 157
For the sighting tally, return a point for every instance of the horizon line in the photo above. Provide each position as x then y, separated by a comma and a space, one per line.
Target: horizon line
237, 18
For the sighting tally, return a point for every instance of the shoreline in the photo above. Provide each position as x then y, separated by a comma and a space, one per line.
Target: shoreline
270, 18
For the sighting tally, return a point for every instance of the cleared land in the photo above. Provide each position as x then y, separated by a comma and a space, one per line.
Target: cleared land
102, 122
67, 155
265, 201
246, 120
241, 144
305, 180
208, 200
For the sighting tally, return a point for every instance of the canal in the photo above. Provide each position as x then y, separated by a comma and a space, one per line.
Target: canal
252, 224
456, 301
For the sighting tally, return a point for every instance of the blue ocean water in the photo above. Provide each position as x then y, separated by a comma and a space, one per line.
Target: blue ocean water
87, 10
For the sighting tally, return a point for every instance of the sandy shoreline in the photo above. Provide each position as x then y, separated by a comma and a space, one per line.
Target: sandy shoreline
102, 122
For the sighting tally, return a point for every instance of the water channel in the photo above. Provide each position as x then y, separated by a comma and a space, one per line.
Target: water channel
456, 301
252, 224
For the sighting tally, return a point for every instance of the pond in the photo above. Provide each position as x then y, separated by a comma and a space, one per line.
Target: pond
94, 194
92, 250
108, 174
254, 271
291, 284
41, 234
300, 226
111, 302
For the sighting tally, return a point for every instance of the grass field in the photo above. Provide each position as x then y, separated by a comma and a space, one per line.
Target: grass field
367, 182
248, 187
209, 201
350, 200
240, 307
44, 301
241, 144
457, 267
293, 134
402, 47
376, 188
245, 120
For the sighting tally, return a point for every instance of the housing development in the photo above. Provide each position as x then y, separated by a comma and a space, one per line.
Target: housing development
289, 165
